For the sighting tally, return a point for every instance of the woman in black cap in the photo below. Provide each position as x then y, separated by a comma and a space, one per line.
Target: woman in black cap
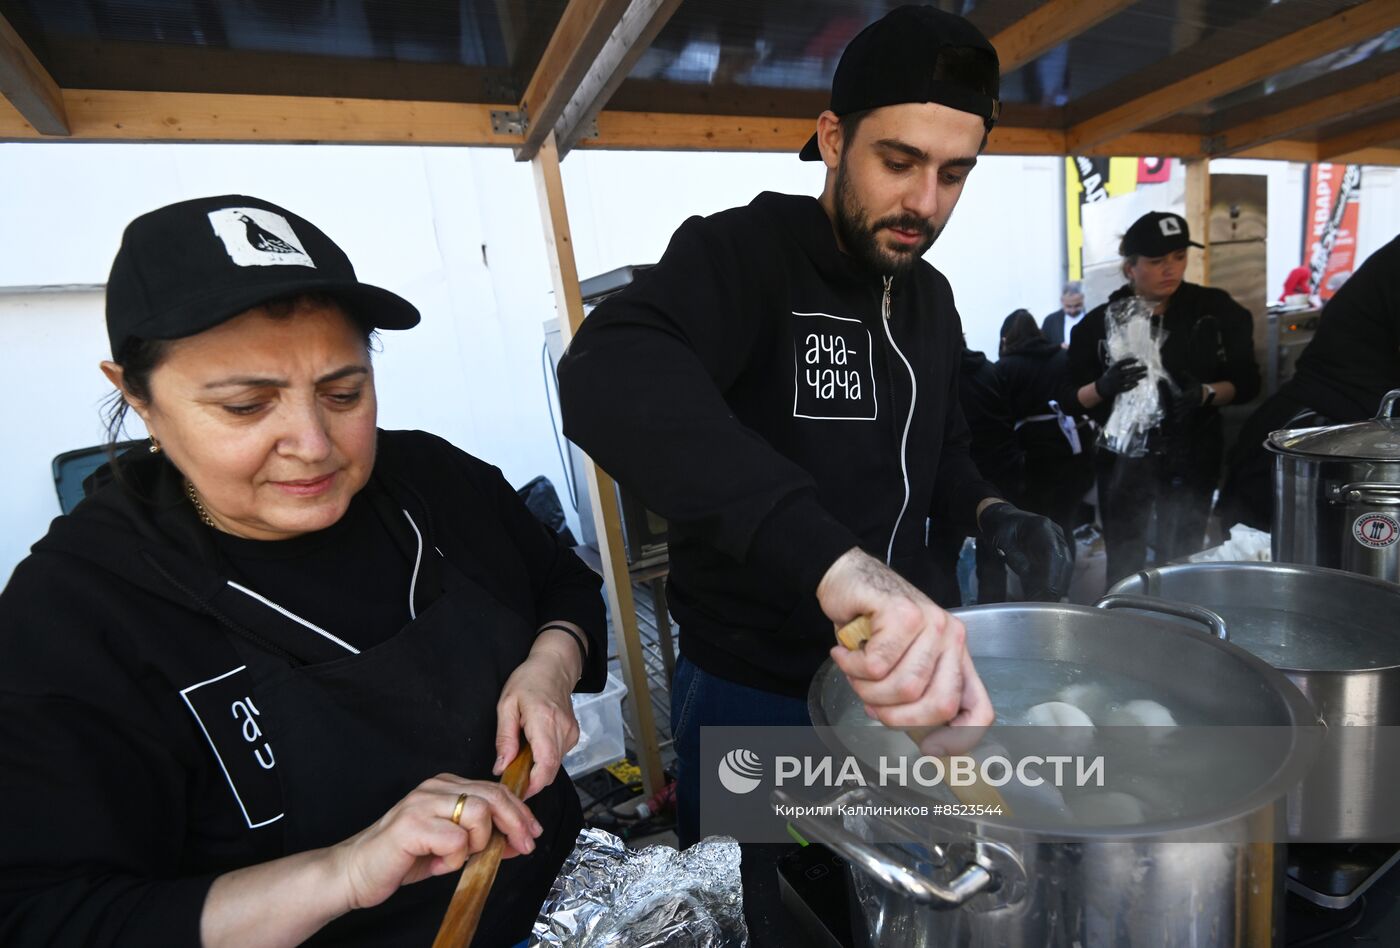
1206, 343
255, 688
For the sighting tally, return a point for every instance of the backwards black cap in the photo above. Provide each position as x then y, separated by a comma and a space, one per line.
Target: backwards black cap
916, 54
188, 267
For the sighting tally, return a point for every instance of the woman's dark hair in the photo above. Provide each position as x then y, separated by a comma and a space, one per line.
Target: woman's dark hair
1018, 331
140, 357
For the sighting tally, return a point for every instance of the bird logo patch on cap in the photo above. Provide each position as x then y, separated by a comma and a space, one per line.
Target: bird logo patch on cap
255, 237
1170, 226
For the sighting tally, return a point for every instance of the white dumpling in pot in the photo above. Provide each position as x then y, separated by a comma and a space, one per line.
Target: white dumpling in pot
1142, 713
1110, 808
1073, 728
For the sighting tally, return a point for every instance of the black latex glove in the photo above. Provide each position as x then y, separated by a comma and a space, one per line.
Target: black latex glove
1034, 547
1122, 376
1185, 403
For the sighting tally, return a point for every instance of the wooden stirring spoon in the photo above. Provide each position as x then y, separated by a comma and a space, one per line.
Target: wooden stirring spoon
474, 885
853, 635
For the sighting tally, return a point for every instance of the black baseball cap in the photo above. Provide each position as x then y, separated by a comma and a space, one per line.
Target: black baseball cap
916, 54
1156, 234
187, 267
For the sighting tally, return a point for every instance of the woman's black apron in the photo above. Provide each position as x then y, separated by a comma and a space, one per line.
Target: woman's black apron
352, 735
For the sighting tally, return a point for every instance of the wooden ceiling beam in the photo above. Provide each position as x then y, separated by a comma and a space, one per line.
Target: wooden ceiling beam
1319, 111
578, 39
632, 37
28, 85
1381, 133
1374, 156
103, 115
1049, 25
1353, 25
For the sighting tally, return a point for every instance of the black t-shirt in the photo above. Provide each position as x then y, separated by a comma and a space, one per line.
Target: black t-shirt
351, 578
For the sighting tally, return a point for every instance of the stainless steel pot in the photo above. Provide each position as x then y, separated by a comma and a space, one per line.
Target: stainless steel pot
977, 882
1337, 495
1336, 635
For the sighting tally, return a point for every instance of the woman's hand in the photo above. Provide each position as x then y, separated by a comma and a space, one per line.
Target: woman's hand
417, 838
536, 700
285, 901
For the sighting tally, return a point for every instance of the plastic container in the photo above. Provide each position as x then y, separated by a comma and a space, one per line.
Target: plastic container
600, 738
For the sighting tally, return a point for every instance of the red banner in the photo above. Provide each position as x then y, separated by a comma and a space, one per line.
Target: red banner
1154, 170
1329, 237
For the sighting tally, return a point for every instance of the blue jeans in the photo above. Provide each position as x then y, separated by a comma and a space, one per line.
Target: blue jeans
699, 699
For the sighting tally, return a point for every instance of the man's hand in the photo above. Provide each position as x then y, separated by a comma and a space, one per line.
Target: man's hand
915, 671
1034, 547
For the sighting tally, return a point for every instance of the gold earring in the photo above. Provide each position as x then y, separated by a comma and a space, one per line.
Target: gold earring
155, 446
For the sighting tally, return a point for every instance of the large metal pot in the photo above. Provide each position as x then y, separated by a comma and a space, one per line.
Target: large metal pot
1336, 635
989, 882
1337, 495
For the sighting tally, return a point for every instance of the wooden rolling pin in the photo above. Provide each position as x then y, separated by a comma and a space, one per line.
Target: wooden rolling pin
853, 635
474, 885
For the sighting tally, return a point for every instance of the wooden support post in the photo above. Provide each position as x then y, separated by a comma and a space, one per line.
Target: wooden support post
549, 189
1198, 219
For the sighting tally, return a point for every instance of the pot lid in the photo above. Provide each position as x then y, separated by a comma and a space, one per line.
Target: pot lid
1374, 440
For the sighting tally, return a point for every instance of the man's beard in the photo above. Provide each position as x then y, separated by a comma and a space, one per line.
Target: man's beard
861, 239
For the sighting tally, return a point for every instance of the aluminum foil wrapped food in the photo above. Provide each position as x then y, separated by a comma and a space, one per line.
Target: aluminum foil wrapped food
609, 896
1129, 331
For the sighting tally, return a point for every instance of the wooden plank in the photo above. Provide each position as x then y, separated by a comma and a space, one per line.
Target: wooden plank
664, 131
577, 40
1198, 219
1329, 108
100, 115
1373, 156
1049, 25
1361, 22
1285, 150
632, 37
28, 85
607, 518
1381, 133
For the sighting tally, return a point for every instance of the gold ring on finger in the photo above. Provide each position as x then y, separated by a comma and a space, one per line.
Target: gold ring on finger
457, 810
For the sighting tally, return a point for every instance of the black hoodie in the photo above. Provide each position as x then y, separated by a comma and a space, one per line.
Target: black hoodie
749, 390
113, 811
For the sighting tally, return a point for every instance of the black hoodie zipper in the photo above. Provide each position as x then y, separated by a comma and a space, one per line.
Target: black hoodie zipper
885, 304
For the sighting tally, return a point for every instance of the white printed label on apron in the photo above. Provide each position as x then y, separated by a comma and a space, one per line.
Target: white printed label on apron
228, 716
1376, 530
833, 369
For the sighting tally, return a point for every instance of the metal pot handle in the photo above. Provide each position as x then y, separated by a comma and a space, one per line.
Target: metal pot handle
892, 871
1211, 620
1365, 492
1388, 405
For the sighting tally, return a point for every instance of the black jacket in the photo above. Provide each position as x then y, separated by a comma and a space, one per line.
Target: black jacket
113, 810
1030, 378
995, 448
1208, 337
748, 390
1355, 357
1054, 327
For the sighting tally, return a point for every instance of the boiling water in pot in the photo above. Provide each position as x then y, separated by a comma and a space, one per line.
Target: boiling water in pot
1154, 771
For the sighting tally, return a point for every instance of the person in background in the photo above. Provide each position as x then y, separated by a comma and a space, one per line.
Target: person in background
999, 459
1057, 445
1206, 343
256, 687
1297, 283
1060, 324
1341, 377
782, 387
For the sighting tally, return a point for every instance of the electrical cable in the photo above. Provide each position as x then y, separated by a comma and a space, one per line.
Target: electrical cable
551, 385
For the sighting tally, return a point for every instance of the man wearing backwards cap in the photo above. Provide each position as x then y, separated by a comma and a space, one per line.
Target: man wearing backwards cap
782, 388
1206, 341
